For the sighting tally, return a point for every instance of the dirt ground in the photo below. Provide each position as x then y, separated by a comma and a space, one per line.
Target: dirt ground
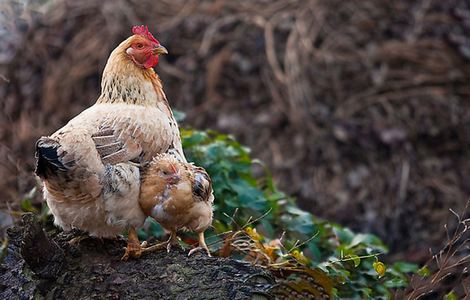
360, 108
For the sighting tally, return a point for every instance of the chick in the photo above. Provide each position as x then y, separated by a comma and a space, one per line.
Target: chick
179, 196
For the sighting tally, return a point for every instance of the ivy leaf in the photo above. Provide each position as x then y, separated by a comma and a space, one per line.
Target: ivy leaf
380, 268
356, 260
345, 235
424, 271
369, 240
405, 267
27, 206
327, 245
395, 283
179, 115
194, 139
450, 296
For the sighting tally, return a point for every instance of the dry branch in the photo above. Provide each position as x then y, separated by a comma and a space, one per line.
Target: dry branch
41, 266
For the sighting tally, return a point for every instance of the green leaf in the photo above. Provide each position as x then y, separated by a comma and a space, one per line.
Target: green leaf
424, 271
450, 296
315, 250
369, 240
153, 228
194, 139
297, 211
395, 283
405, 267
380, 268
356, 259
27, 206
266, 227
179, 115
236, 189
345, 235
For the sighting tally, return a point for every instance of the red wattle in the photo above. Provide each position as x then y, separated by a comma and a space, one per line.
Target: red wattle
151, 62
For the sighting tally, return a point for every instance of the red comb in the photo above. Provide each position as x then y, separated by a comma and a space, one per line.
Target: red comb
144, 31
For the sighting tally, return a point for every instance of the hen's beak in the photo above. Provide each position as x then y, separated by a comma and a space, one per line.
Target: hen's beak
159, 50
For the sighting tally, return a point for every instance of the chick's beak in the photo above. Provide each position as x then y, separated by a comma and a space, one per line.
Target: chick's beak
159, 50
174, 179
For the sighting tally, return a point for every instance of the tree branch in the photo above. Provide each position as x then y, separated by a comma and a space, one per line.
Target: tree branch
40, 266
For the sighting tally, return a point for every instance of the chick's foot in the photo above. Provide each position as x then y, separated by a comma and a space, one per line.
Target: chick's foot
172, 241
202, 246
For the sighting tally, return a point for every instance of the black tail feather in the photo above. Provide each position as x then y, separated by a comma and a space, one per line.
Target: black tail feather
48, 160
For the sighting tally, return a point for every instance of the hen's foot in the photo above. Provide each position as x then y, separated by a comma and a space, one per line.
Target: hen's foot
75, 241
133, 249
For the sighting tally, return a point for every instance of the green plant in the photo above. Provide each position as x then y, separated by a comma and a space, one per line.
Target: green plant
257, 207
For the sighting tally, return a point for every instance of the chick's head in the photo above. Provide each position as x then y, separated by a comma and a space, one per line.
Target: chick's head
166, 167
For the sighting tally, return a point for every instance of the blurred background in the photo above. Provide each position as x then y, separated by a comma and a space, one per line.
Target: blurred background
359, 108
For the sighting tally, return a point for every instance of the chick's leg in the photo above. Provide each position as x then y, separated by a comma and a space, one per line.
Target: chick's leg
133, 248
172, 241
202, 245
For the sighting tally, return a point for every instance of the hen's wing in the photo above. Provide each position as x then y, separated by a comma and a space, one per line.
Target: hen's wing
101, 135
65, 178
122, 139
116, 146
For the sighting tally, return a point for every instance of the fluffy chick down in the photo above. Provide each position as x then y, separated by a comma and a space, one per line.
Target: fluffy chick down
177, 194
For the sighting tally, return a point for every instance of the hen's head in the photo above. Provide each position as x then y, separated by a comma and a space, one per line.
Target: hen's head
143, 48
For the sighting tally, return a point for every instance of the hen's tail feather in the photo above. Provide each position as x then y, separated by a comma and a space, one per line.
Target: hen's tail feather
48, 159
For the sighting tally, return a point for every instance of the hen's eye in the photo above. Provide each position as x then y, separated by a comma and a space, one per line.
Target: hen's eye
166, 172
140, 46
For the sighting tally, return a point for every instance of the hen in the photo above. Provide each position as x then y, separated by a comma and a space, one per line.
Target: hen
131, 122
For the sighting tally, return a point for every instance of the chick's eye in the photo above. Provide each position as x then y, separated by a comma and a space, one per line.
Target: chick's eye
165, 172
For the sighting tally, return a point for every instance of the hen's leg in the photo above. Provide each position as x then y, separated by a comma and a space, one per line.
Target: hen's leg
202, 245
75, 241
133, 248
